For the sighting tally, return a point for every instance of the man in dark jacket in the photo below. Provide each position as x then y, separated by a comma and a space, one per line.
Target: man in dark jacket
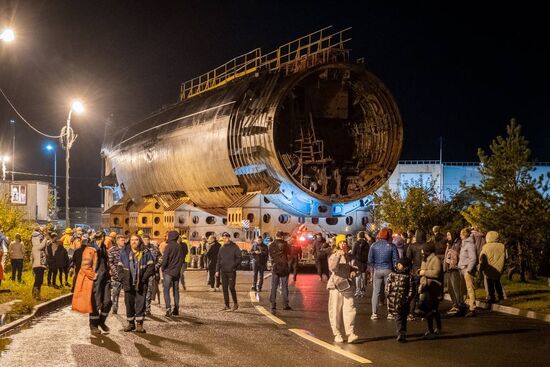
101, 296
135, 267
229, 259
172, 262
51, 248
321, 251
279, 250
414, 253
294, 258
62, 264
260, 254
211, 261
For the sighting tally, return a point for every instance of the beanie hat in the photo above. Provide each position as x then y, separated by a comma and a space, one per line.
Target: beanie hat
340, 238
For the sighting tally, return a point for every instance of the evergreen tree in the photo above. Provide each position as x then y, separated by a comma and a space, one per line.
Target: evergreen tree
509, 200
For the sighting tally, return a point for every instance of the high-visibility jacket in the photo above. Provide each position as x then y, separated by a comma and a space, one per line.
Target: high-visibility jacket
188, 244
82, 296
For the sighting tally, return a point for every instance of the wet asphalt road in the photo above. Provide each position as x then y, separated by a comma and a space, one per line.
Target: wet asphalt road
204, 336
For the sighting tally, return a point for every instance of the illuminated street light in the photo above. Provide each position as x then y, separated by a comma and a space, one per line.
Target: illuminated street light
7, 35
67, 139
77, 106
4, 160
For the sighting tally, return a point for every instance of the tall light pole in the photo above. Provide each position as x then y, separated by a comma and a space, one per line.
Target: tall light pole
50, 148
67, 139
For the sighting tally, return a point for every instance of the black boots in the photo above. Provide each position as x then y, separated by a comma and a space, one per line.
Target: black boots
94, 329
102, 325
130, 327
139, 328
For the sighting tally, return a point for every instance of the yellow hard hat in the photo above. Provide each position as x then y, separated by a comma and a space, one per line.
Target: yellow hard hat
140, 232
68, 230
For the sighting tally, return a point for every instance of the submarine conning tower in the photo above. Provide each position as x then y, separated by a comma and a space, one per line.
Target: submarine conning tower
302, 125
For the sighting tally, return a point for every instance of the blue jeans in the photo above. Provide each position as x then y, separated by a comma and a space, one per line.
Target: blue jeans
171, 282
275, 281
379, 280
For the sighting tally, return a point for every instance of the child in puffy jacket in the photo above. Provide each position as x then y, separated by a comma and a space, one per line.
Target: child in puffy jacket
400, 291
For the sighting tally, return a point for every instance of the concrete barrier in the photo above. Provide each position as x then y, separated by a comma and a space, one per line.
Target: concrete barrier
509, 310
38, 310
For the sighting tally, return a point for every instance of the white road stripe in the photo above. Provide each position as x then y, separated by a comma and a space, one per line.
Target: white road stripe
306, 335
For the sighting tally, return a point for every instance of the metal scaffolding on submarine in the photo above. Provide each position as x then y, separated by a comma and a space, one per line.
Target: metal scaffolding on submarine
302, 125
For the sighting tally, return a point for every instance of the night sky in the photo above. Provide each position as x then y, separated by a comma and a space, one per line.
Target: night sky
459, 70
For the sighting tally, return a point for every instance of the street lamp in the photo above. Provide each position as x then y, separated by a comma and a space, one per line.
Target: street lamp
67, 138
4, 160
49, 148
7, 35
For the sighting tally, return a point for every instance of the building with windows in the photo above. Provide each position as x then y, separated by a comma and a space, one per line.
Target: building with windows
29, 196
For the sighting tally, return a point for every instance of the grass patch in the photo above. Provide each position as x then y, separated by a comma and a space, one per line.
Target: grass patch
13, 290
533, 295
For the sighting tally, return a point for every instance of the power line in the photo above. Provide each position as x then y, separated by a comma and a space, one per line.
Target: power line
46, 175
22, 118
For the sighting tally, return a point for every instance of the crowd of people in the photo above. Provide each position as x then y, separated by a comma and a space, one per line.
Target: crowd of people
408, 274
136, 265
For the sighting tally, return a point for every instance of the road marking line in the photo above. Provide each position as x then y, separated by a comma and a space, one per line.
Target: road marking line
306, 335
272, 317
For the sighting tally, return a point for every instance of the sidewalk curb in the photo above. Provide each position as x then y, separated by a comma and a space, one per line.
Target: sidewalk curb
509, 310
38, 310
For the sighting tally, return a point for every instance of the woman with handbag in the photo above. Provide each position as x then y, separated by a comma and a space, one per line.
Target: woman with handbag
341, 287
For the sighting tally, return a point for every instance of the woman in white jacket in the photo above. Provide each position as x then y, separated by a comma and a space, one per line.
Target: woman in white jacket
341, 287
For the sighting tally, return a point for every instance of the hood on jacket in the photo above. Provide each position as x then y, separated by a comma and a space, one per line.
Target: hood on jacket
173, 236
420, 236
492, 236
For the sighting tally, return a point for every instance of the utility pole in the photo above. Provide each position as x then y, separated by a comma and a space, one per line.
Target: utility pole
441, 196
12, 123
